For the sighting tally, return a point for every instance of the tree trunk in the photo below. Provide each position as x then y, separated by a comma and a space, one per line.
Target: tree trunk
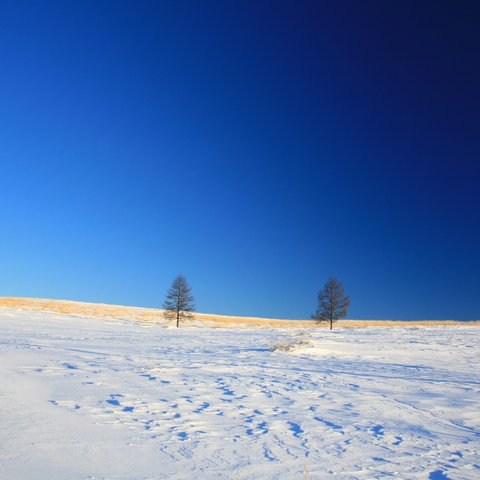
178, 318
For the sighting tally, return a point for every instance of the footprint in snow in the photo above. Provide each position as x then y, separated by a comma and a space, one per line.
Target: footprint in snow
438, 475
378, 430
202, 407
261, 428
398, 441
113, 399
182, 436
328, 424
267, 453
66, 403
295, 429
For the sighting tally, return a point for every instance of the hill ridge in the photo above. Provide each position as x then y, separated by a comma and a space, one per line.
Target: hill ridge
155, 315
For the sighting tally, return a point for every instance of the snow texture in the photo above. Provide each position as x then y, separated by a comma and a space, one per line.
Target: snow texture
86, 398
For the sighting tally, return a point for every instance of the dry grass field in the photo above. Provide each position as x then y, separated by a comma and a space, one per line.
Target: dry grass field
153, 315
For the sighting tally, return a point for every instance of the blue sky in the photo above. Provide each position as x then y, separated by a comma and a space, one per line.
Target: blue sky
256, 147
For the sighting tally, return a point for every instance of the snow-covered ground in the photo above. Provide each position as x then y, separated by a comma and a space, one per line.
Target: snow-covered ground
85, 398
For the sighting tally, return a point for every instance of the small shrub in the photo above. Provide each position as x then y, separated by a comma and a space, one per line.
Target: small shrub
282, 347
291, 343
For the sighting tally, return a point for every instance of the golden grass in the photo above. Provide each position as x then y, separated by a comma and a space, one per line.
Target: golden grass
154, 315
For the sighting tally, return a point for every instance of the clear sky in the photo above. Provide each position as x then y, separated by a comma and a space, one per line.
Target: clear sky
257, 147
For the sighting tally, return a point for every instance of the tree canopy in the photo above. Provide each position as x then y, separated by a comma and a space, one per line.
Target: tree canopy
333, 303
179, 301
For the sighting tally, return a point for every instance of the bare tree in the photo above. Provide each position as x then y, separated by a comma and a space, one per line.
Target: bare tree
179, 302
332, 302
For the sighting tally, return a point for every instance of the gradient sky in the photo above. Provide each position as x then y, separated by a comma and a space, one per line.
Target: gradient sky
257, 147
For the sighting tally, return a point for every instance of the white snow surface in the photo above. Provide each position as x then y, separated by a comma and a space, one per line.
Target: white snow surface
87, 398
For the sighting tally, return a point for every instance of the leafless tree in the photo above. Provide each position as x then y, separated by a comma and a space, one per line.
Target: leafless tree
179, 302
332, 302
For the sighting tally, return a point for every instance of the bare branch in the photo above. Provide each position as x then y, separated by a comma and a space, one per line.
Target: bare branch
179, 301
333, 303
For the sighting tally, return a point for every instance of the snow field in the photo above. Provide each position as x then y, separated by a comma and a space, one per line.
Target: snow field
84, 398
